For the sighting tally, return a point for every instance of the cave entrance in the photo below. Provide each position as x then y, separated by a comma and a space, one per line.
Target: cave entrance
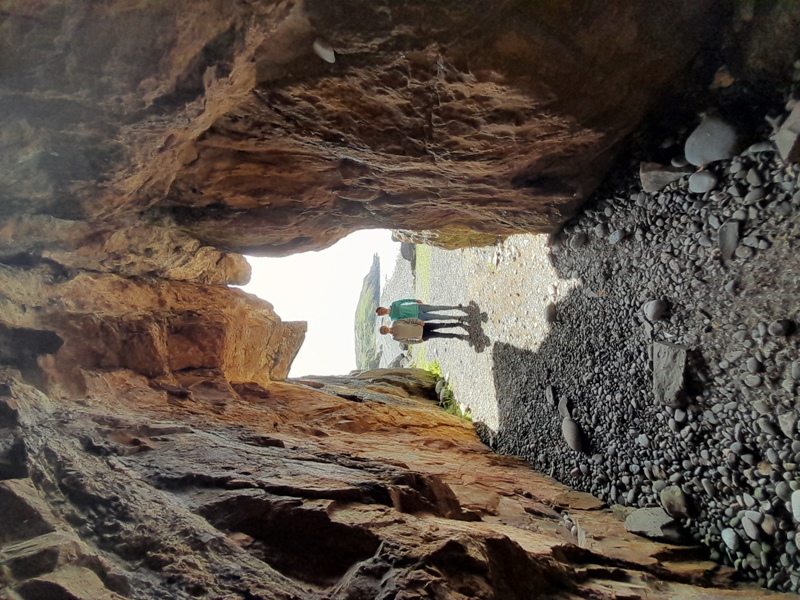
336, 291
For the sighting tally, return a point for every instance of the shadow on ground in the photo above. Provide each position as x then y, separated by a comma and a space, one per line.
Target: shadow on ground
475, 320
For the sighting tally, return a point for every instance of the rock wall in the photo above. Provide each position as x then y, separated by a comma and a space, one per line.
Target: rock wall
466, 121
337, 488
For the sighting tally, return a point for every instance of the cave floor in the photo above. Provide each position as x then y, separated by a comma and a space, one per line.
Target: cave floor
732, 445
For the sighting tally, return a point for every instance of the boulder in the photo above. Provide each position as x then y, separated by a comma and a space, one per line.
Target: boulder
655, 524
712, 140
669, 364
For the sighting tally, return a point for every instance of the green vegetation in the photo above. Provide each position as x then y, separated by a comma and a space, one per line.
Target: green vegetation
367, 354
448, 401
422, 272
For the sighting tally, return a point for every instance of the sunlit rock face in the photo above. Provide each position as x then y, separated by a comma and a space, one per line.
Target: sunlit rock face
464, 120
353, 487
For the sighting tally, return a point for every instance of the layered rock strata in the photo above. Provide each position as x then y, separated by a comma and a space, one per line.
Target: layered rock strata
462, 121
337, 488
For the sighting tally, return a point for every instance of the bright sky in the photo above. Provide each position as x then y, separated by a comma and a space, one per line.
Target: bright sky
323, 288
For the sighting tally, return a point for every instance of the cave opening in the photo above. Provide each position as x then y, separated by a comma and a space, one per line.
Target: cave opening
335, 291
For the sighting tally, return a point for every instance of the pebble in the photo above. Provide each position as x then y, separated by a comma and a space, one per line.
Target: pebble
780, 327
616, 237
702, 182
655, 309
731, 539
754, 196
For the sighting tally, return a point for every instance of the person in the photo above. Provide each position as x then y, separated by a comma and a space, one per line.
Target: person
410, 308
415, 331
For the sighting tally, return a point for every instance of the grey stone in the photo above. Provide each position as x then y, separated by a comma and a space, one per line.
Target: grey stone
563, 408
787, 422
753, 178
728, 238
752, 530
578, 240
655, 309
795, 502
655, 524
572, 434
783, 490
550, 395
753, 365
760, 147
754, 196
712, 140
780, 327
702, 182
616, 237
731, 539
675, 502
787, 137
655, 176
761, 407
669, 363
601, 230
795, 372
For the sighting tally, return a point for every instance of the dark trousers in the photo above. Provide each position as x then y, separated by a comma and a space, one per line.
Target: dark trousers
426, 312
431, 331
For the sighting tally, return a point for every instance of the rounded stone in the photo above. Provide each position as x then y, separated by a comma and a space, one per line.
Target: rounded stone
572, 434
702, 182
731, 539
780, 327
675, 502
712, 140
795, 502
655, 309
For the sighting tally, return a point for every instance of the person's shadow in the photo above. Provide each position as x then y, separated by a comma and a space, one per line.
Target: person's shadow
475, 320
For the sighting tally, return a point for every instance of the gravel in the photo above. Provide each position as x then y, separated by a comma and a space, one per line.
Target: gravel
734, 309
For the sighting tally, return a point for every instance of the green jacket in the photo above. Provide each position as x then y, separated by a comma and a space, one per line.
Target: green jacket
403, 309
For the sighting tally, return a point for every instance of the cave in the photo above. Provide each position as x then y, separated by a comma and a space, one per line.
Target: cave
152, 441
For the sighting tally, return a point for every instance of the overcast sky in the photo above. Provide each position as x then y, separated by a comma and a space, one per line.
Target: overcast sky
323, 288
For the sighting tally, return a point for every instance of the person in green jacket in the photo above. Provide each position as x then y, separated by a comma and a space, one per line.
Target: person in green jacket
410, 308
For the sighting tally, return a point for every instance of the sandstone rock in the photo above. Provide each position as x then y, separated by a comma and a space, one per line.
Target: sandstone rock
669, 363
215, 134
787, 137
655, 177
